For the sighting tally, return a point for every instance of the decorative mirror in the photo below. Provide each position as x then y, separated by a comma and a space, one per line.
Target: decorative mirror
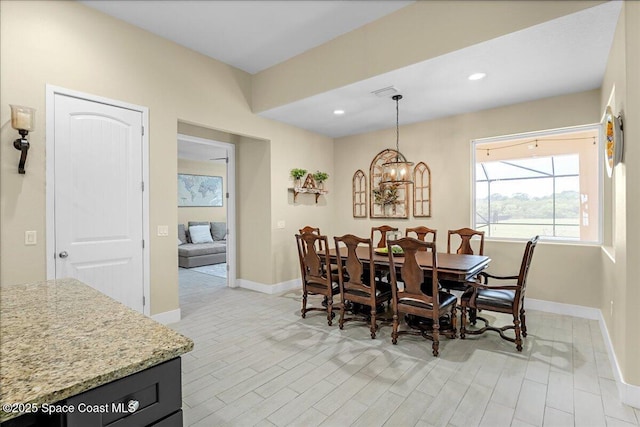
387, 201
421, 190
359, 194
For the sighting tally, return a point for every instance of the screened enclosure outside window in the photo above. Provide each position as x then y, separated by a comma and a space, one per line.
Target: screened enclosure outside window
545, 185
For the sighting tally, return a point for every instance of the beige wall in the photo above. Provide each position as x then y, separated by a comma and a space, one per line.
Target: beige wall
619, 263
73, 46
209, 213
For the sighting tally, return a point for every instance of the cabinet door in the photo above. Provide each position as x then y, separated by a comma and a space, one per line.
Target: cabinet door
140, 399
174, 420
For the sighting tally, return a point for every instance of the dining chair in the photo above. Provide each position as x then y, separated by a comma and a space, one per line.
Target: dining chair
467, 238
313, 230
358, 283
383, 230
316, 280
503, 299
413, 300
320, 244
423, 233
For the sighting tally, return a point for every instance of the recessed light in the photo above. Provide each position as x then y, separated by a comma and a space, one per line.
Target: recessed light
338, 112
477, 76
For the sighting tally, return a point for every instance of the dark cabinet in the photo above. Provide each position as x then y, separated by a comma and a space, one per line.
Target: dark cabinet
152, 397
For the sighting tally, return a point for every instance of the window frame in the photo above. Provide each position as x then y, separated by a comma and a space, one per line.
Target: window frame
539, 134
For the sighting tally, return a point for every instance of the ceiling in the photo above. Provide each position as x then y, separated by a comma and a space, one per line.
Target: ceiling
250, 35
561, 56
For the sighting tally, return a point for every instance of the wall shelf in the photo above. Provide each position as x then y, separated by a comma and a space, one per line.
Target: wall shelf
298, 190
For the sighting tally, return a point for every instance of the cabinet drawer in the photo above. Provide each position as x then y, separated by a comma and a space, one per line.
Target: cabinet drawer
157, 390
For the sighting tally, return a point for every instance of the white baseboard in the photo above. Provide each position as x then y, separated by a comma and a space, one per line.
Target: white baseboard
168, 317
560, 308
629, 393
269, 289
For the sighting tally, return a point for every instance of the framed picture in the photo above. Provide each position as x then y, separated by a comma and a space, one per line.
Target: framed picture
199, 190
613, 140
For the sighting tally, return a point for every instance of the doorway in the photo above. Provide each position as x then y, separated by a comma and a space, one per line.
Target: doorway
206, 195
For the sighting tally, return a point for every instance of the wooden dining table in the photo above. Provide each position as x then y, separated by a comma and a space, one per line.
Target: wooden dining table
454, 267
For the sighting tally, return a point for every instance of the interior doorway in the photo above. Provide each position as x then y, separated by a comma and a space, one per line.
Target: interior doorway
206, 201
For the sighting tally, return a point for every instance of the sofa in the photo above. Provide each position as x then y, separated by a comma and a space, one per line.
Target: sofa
202, 243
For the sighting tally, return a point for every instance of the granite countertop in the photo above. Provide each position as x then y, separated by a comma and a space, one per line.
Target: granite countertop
59, 338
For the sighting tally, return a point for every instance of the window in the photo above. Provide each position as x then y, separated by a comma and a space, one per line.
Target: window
543, 184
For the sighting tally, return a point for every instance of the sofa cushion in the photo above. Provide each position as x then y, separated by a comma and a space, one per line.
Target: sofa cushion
200, 234
195, 249
182, 234
219, 230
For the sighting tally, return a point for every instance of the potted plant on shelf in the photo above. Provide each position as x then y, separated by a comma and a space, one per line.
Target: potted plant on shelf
320, 178
297, 174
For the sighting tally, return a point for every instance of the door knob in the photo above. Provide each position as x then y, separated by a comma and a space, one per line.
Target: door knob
63, 254
133, 405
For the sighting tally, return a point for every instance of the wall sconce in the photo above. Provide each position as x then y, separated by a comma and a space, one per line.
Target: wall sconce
22, 120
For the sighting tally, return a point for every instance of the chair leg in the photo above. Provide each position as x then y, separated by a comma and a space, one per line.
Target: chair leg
516, 324
329, 310
394, 333
374, 326
454, 322
304, 304
523, 321
463, 321
436, 338
342, 312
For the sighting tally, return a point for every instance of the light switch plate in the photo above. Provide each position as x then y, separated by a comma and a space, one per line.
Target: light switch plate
30, 237
163, 230
280, 224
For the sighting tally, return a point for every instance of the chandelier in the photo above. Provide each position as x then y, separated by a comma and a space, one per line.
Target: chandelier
397, 171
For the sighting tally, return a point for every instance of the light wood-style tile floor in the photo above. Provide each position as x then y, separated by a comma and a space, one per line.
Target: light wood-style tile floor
257, 362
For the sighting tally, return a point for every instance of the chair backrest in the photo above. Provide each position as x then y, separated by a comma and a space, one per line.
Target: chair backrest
383, 230
311, 262
411, 273
313, 230
310, 229
425, 234
526, 263
466, 235
351, 271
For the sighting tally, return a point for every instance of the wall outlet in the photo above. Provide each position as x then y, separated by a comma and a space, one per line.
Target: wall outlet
163, 230
280, 224
30, 237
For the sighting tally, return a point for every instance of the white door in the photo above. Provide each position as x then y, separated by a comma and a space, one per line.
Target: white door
98, 197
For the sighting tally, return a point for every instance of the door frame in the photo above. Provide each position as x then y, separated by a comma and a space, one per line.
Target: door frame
231, 201
51, 92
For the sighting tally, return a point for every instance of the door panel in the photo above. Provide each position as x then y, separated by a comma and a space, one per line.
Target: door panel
98, 197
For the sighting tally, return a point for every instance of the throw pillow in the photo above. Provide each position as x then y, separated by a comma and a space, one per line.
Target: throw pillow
219, 230
182, 234
200, 234
179, 242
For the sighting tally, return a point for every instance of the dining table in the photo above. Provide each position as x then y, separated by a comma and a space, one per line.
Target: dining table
453, 267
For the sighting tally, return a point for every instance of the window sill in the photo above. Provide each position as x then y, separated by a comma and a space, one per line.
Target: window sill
542, 240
